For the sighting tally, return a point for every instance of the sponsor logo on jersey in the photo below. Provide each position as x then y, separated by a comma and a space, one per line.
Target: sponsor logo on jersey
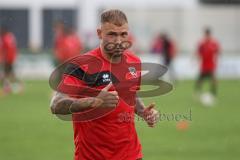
106, 77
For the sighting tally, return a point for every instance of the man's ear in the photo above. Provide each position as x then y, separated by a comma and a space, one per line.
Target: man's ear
99, 33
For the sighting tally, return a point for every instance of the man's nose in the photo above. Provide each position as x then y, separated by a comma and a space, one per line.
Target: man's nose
118, 40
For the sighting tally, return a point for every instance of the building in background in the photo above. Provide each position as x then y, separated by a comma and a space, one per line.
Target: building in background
32, 21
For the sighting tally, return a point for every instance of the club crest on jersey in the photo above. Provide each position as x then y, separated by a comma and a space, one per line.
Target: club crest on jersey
106, 77
133, 71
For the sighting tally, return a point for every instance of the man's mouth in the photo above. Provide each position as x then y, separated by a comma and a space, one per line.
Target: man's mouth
119, 50
117, 47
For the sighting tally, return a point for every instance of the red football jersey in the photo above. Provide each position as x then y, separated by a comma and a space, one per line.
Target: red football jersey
58, 44
102, 133
208, 50
9, 48
1, 54
67, 46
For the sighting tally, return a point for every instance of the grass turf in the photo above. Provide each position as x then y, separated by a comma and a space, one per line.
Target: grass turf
29, 131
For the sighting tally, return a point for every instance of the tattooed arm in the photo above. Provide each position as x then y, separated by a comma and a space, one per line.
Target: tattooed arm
63, 104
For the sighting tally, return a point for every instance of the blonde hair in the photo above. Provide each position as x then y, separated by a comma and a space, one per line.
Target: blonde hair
114, 16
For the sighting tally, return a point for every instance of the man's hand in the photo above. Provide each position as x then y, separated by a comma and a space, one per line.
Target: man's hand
151, 115
109, 98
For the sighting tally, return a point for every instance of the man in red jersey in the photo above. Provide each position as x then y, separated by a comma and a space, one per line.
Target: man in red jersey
99, 90
58, 29
208, 51
9, 56
1, 67
71, 45
66, 43
1, 55
164, 45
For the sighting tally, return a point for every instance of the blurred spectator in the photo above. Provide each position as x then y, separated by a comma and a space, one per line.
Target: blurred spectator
9, 56
72, 43
66, 43
58, 29
1, 67
207, 51
1, 54
164, 46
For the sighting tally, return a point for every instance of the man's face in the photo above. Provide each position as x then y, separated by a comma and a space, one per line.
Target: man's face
112, 38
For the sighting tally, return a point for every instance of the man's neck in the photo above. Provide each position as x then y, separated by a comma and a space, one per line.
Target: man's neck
111, 59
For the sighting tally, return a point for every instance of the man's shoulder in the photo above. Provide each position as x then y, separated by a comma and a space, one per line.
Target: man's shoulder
215, 42
90, 58
94, 52
10, 35
132, 57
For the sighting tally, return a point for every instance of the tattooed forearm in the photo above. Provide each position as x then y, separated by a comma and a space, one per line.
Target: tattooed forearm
63, 104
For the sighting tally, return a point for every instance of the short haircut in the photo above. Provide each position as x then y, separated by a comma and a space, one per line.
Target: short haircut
207, 31
114, 16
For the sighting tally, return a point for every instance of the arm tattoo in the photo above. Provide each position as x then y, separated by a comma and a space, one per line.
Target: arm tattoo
63, 104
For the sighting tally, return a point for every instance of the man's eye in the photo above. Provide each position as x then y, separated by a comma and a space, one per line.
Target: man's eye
112, 34
124, 34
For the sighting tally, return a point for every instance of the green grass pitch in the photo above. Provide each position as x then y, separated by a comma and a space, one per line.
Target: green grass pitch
28, 131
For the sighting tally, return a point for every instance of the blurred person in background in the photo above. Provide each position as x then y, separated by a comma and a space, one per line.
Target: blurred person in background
164, 46
207, 52
1, 68
58, 29
67, 44
72, 44
9, 55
